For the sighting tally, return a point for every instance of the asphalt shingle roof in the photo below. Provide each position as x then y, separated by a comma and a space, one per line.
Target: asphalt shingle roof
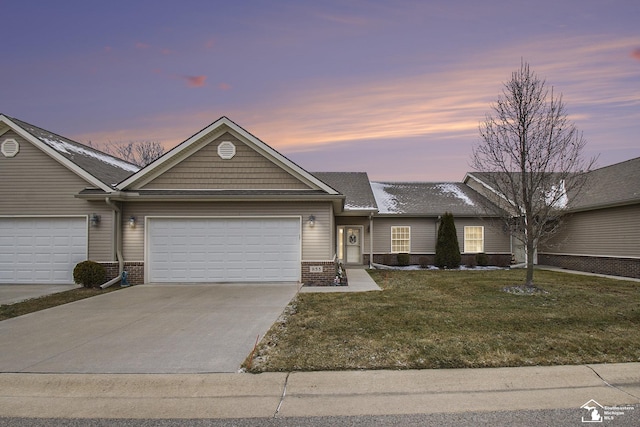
427, 198
611, 185
355, 187
106, 168
616, 184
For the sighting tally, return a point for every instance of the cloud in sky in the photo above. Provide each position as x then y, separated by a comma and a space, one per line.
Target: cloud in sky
636, 54
141, 45
368, 114
195, 81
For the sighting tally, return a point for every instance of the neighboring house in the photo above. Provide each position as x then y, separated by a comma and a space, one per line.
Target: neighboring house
601, 232
220, 207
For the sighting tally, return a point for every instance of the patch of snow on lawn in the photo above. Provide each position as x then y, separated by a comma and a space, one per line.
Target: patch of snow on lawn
387, 202
456, 191
433, 267
64, 147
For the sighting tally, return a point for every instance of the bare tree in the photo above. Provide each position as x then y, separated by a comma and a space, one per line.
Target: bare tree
531, 155
140, 153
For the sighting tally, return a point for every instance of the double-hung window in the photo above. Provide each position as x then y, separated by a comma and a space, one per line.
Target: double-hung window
401, 239
474, 239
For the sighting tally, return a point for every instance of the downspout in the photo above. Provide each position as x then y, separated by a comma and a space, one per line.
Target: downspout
371, 240
118, 242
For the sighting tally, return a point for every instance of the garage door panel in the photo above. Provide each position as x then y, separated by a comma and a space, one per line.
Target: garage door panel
41, 250
223, 250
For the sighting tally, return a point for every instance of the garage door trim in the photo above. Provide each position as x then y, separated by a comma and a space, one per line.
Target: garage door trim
85, 243
148, 218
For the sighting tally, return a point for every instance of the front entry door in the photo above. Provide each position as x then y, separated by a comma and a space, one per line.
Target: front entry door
350, 244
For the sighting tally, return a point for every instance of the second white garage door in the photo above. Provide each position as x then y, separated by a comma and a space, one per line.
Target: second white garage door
223, 249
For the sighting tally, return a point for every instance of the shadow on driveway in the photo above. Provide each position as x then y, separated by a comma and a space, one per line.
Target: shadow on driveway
146, 329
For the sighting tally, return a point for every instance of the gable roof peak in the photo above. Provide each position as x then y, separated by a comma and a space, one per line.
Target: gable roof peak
97, 167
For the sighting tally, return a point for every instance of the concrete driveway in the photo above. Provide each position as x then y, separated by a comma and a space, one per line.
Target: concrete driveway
146, 329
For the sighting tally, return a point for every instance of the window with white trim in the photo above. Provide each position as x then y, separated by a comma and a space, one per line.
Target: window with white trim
474, 239
400, 239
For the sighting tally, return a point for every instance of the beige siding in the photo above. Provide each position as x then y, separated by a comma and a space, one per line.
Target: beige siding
204, 169
316, 241
423, 234
35, 184
605, 232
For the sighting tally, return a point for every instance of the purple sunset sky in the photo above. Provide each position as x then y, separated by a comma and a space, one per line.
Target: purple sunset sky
393, 88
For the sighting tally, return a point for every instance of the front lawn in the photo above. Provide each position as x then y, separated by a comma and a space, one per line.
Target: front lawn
457, 319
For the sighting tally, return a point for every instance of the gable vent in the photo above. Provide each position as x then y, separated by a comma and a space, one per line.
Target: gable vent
226, 150
10, 147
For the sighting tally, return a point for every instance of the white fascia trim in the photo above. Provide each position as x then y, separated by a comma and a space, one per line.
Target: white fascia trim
279, 158
56, 156
155, 169
488, 187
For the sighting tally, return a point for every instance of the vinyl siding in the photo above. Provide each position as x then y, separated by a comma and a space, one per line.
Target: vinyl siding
37, 185
316, 241
424, 233
495, 240
605, 232
204, 169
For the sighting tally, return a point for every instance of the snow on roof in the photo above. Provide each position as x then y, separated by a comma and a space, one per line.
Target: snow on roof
456, 191
387, 202
65, 147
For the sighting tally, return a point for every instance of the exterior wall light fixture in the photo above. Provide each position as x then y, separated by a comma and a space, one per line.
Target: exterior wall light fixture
311, 220
132, 221
94, 219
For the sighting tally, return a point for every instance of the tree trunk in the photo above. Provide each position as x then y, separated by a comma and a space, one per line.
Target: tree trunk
530, 258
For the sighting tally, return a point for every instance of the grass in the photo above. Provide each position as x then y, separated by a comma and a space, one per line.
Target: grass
457, 319
8, 311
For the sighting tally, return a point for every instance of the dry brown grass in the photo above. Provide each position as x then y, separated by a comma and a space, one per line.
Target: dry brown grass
455, 319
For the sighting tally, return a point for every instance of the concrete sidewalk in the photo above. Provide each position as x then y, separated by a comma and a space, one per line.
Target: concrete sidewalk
319, 393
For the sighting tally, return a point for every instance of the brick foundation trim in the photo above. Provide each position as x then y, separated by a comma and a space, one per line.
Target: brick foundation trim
135, 271
625, 267
499, 260
318, 273
313, 272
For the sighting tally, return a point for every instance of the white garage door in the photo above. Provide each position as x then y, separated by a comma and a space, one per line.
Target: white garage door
223, 249
41, 250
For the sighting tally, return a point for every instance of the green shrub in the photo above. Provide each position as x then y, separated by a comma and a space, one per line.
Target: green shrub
423, 261
89, 274
447, 248
403, 260
482, 259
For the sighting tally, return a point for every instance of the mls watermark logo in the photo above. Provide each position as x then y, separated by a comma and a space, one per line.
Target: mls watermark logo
595, 412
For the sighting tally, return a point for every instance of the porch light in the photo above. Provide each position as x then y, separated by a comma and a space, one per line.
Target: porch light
94, 219
311, 220
132, 221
